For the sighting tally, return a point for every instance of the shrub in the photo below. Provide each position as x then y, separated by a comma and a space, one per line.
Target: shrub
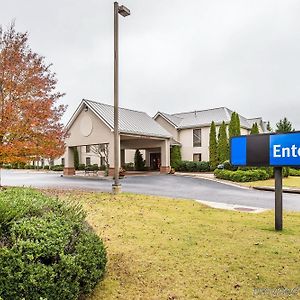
47, 251
242, 176
228, 166
139, 163
175, 156
294, 172
81, 167
57, 168
92, 168
102, 168
193, 166
269, 170
46, 167
129, 166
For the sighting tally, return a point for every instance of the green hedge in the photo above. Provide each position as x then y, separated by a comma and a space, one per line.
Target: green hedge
128, 166
94, 167
242, 176
57, 168
47, 250
193, 166
294, 172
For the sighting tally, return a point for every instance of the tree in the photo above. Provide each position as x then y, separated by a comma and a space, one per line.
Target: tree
76, 158
284, 125
237, 125
213, 147
175, 156
254, 129
30, 118
223, 147
269, 128
139, 163
234, 125
102, 151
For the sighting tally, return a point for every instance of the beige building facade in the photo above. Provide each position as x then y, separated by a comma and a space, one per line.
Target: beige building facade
191, 130
92, 125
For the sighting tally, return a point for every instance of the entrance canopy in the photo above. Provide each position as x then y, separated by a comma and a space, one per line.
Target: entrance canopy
92, 124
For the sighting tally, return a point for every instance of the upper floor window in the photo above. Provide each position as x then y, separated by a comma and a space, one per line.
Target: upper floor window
88, 149
197, 137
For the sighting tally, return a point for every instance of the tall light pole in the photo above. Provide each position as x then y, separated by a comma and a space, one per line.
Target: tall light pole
123, 11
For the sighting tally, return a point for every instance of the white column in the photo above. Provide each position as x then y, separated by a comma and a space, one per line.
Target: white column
165, 157
69, 161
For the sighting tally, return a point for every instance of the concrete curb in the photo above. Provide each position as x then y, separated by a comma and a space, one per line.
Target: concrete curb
213, 179
272, 189
88, 177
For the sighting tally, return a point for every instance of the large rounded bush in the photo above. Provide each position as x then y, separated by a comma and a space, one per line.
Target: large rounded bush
47, 250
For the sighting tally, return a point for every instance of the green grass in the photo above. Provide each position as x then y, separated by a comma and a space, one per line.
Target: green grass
175, 249
291, 181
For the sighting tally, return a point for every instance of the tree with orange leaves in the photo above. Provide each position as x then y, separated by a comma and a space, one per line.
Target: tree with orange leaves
30, 118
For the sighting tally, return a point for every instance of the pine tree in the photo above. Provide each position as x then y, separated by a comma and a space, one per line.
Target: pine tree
213, 149
223, 147
269, 128
139, 163
284, 125
237, 125
232, 125
175, 157
76, 158
254, 129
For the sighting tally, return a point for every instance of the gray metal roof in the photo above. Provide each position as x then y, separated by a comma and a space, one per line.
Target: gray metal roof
259, 121
201, 118
130, 121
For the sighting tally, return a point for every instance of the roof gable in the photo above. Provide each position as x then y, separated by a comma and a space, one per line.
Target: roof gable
202, 118
130, 121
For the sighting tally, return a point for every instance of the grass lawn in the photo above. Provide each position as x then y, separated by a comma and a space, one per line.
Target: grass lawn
162, 248
291, 181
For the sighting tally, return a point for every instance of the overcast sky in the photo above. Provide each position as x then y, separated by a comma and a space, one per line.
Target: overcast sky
175, 55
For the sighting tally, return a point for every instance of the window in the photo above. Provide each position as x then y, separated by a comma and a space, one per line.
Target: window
87, 161
102, 161
197, 137
197, 157
88, 149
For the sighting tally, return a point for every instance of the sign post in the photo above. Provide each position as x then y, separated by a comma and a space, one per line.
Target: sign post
268, 150
278, 197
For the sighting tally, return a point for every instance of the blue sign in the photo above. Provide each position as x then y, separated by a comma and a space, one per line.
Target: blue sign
238, 151
285, 149
276, 150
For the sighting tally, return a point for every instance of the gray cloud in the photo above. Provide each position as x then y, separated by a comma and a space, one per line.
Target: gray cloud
174, 55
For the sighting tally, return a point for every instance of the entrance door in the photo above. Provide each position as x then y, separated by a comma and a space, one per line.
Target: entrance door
155, 161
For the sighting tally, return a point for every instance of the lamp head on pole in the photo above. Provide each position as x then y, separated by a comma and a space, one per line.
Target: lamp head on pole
124, 11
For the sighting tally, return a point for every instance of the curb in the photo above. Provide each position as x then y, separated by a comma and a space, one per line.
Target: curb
272, 189
213, 179
87, 177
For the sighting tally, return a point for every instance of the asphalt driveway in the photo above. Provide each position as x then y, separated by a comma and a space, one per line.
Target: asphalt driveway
162, 185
